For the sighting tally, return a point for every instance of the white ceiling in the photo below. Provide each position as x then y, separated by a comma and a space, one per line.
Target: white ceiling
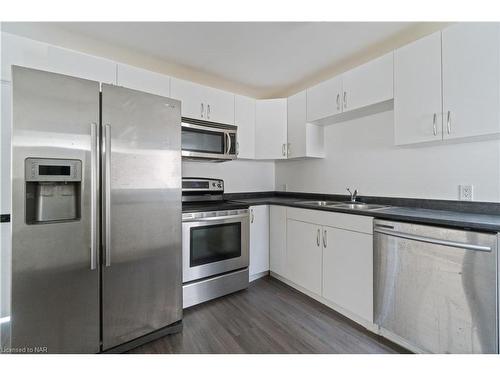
265, 57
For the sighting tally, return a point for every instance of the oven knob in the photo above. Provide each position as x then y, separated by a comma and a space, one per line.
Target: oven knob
213, 183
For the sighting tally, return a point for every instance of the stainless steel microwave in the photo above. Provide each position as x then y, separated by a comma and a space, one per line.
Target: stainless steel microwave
205, 140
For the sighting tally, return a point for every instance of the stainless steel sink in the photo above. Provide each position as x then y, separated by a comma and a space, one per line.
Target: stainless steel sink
318, 203
360, 206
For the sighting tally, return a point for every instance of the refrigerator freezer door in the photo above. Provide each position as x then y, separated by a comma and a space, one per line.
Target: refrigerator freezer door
55, 291
141, 278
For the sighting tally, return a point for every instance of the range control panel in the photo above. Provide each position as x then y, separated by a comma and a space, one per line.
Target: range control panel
192, 184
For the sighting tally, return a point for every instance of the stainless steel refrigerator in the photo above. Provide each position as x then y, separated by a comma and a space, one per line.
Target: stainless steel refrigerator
96, 214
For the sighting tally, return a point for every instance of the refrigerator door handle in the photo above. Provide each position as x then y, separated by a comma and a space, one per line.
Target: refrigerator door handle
94, 170
107, 193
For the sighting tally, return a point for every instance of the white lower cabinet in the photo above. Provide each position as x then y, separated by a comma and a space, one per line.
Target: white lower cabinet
304, 255
348, 270
259, 241
277, 240
327, 255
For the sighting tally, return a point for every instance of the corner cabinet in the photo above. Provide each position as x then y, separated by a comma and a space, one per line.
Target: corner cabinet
244, 119
259, 242
271, 129
202, 102
447, 85
304, 139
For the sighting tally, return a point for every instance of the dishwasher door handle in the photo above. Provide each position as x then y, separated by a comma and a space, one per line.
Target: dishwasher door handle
430, 240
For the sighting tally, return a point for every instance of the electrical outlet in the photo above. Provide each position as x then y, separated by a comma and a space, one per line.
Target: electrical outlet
465, 192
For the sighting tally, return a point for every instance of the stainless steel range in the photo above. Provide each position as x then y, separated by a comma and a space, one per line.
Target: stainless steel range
215, 242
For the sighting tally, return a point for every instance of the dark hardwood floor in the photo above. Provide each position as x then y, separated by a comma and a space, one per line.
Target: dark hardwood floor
268, 317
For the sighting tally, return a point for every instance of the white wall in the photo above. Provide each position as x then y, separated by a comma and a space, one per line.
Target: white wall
360, 154
238, 175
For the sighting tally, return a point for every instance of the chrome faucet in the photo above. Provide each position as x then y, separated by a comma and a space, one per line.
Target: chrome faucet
354, 194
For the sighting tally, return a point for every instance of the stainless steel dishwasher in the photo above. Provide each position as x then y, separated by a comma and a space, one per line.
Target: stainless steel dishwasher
435, 289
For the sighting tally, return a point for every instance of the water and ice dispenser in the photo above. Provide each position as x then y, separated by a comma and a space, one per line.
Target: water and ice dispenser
53, 190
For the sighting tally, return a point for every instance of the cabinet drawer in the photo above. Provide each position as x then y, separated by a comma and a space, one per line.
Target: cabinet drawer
358, 223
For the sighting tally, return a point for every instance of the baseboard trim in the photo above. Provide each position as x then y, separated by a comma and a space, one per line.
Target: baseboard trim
258, 276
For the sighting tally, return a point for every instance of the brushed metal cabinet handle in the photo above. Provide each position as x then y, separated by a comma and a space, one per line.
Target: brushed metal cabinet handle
324, 239
338, 102
107, 192
283, 151
434, 129
94, 171
208, 111
318, 237
202, 110
345, 99
448, 122
252, 216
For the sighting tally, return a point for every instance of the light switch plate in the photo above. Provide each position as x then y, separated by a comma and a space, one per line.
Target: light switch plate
465, 192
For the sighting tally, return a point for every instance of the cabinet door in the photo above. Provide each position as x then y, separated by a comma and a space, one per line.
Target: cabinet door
368, 84
270, 129
143, 80
259, 240
244, 119
191, 96
304, 255
296, 117
348, 270
277, 240
417, 91
324, 99
219, 105
81, 65
471, 76
21, 51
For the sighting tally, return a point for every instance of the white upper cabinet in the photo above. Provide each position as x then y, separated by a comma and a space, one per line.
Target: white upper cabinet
324, 99
220, 105
471, 80
271, 129
37, 55
203, 103
81, 65
244, 119
21, 51
191, 96
417, 91
143, 80
304, 140
369, 83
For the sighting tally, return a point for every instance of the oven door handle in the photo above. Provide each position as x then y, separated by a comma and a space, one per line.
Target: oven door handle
215, 218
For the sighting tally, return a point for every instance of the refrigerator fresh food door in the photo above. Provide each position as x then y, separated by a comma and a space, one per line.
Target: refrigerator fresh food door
55, 272
141, 182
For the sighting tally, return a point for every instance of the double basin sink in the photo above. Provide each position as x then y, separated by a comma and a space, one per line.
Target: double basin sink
358, 206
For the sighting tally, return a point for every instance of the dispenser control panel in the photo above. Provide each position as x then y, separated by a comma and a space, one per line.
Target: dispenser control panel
38, 169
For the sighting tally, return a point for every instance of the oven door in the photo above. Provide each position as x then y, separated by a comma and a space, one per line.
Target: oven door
214, 245
205, 142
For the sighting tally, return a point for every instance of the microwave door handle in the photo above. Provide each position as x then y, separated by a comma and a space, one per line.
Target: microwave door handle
228, 144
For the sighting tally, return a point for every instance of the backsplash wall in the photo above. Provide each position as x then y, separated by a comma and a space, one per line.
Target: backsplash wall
238, 175
361, 154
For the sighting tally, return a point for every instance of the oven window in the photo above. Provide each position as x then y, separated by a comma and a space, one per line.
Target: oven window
214, 243
202, 141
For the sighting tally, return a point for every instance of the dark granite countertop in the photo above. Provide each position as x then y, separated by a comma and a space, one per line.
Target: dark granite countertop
448, 213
